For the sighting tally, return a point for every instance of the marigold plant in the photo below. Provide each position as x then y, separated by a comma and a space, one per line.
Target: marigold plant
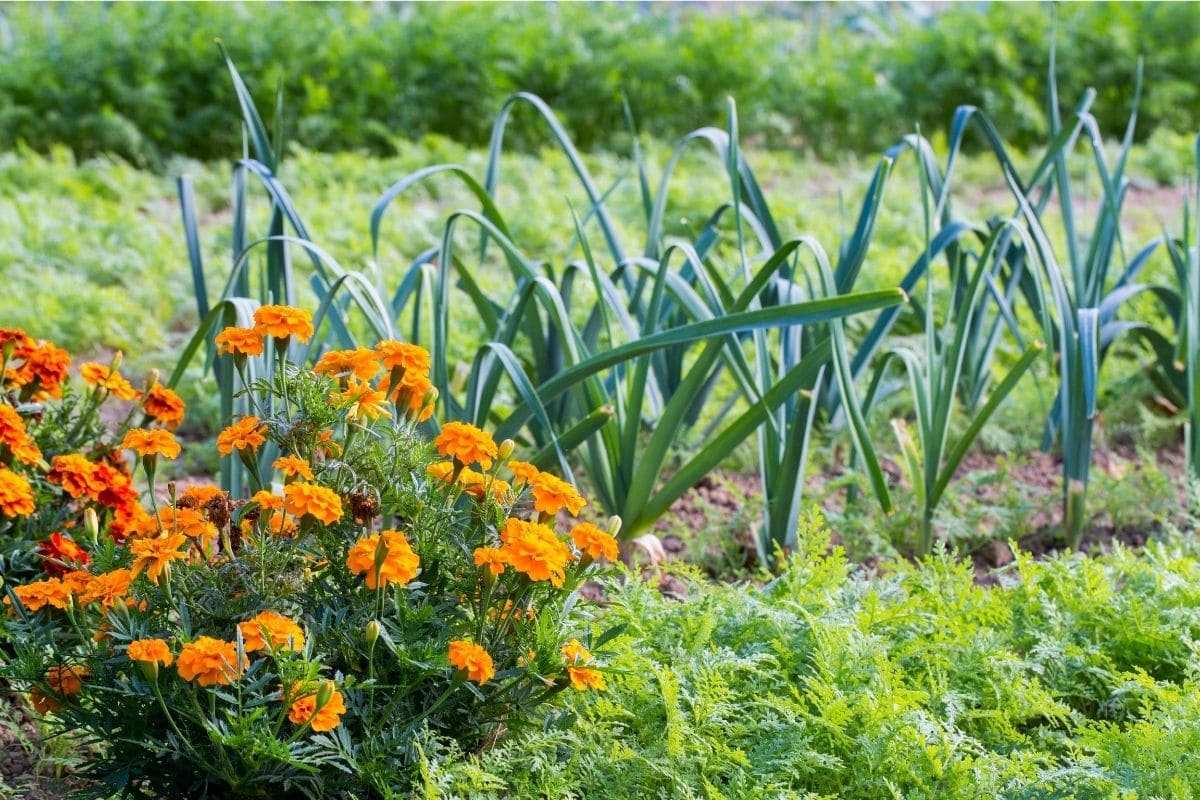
307, 634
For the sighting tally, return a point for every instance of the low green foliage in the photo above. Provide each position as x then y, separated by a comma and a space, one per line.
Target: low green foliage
1074, 678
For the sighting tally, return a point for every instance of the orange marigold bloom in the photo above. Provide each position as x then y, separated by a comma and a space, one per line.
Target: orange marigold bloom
535, 551
267, 500
16, 495
47, 366
472, 482
399, 563
76, 581
466, 444
269, 631
66, 679
107, 587
322, 719
108, 379
200, 494
164, 405
492, 558
326, 445
127, 519
156, 554
293, 466
410, 393
523, 472
116, 488
360, 363
150, 651
43, 704
245, 434
189, 522
361, 401
280, 322
552, 494
15, 338
577, 658
319, 502
240, 341
154, 442
594, 542
76, 475
14, 436
210, 662
402, 355
472, 659
52, 592
61, 554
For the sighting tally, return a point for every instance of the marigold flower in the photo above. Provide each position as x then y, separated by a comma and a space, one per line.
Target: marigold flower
473, 660
198, 495
410, 394
127, 520
399, 563
16, 495
240, 341
319, 502
164, 405
189, 522
45, 367
76, 581
361, 400
477, 484
43, 704
61, 554
594, 542
325, 718
360, 363
14, 340
35, 596
107, 587
267, 500
269, 630
245, 434
150, 651
210, 662
466, 444
535, 551
108, 379
154, 442
577, 658
281, 322
492, 558
552, 494
402, 355
76, 475
153, 555
116, 489
293, 466
14, 436
523, 472
66, 679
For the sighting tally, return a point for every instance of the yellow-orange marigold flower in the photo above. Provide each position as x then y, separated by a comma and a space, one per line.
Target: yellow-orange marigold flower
594, 542
240, 341
360, 363
164, 405
399, 565
523, 472
319, 502
190, 522
402, 355
492, 558
209, 662
280, 322
66, 679
35, 596
472, 659
198, 495
16, 495
267, 500
552, 494
269, 630
535, 551
466, 444
107, 587
245, 434
105, 377
155, 442
153, 555
410, 394
582, 677
304, 709
361, 400
293, 467
150, 651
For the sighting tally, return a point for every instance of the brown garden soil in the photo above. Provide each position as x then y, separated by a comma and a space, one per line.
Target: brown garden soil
21, 769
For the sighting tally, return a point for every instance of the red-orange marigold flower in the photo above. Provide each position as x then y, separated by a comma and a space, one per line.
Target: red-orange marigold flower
164, 406
319, 502
46, 365
281, 322
76, 475
209, 662
473, 660
66, 679
61, 554
245, 434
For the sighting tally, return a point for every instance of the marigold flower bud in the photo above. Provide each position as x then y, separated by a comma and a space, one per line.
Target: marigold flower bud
373, 629
91, 524
614, 524
325, 692
506, 449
